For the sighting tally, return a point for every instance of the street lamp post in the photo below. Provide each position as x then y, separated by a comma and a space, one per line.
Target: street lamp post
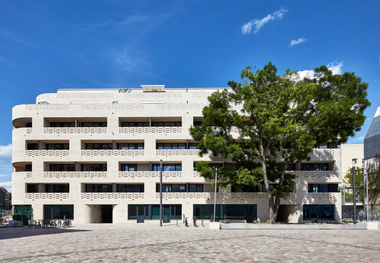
354, 186
366, 189
160, 192
216, 181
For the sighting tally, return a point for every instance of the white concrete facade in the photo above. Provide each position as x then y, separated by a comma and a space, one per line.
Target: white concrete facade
32, 125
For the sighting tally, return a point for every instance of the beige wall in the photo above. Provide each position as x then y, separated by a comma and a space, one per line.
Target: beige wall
91, 104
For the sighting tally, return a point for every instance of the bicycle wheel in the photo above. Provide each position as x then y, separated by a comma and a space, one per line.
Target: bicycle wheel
69, 223
59, 223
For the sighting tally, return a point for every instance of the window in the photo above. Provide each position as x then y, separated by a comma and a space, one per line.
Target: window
318, 211
32, 146
152, 212
93, 167
245, 189
32, 188
28, 168
135, 124
171, 188
168, 167
57, 146
62, 124
58, 212
323, 188
56, 188
98, 188
195, 188
223, 212
314, 166
166, 124
130, 188
130, 146
128, 167
62, 167
98, 146
175, 146
93, 124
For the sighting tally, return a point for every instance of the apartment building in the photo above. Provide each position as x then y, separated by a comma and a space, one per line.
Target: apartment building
94, 156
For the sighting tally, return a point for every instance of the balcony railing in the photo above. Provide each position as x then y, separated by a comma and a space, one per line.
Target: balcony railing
90, 175
177, 152
323, 154
49, 153
150, 130
95, 153
49, 196
109, 196
310, 198
68, 130
140, 174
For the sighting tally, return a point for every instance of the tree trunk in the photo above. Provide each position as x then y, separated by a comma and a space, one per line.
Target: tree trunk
274, 205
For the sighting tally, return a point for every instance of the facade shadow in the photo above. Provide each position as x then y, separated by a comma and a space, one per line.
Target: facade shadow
19, 232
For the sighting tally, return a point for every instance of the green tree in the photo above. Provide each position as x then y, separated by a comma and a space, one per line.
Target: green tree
268, 122
359, 178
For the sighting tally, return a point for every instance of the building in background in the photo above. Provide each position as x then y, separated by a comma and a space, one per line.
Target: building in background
4, 199
94, 156
371, 150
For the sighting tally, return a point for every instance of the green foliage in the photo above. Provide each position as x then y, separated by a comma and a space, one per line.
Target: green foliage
359, 178
279, 120
125, 90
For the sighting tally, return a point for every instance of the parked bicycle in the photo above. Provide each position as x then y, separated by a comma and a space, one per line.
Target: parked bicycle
195, 221
186, 222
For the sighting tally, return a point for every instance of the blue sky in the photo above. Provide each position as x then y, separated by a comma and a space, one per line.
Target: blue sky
50, 45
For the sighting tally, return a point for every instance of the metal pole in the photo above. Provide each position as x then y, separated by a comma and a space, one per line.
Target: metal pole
366, 186
216, 181
160, 192
354, 187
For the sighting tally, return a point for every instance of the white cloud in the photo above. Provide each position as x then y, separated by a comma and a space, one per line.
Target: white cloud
5, 153
359, 138
306, 74
335, 67
259, 23
3, 175
296, 42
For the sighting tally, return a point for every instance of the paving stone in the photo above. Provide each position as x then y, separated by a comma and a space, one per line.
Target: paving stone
151, 243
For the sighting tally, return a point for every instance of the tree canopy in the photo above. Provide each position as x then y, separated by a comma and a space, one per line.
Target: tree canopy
267, 122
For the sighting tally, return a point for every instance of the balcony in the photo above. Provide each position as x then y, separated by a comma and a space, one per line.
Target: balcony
49, 153
150, 130
177, 152
90, 175
110, 196
311, 198
318, 176
96, 153
73, 130
323, 154
47, 196
140, 174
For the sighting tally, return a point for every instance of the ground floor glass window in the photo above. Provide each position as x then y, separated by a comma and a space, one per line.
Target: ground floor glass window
224, 212
58, 212
318, 212
152, 212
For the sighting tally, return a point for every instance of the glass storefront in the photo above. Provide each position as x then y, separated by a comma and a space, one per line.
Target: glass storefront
224, 212
58, 212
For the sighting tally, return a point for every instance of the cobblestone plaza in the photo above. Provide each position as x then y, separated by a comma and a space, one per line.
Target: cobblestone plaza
150, 243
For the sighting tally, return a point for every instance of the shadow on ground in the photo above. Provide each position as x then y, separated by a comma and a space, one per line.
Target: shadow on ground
18, 232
